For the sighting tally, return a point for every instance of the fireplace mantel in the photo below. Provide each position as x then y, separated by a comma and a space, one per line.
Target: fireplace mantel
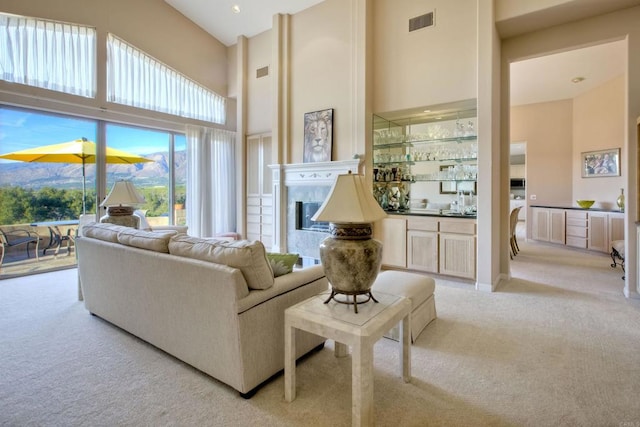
300, 174
321, 173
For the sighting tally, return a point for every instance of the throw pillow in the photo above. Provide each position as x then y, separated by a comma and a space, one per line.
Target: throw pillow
103, 231
282, 264
152, 240
250, 257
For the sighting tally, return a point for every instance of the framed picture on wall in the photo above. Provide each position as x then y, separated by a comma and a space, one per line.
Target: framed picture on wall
318, 136
601, 163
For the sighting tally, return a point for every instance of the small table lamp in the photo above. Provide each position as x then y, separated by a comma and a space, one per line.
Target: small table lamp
120, 204
350, 257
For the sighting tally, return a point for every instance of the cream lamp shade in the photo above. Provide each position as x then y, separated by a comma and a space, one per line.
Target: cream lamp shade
350, 257
349, 202
120, 201
123, 193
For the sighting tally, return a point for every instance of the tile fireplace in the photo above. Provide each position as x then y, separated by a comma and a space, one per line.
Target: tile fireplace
299, 189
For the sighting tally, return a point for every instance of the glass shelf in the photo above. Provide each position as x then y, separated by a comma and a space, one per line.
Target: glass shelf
413, 162
425, 180
401, 144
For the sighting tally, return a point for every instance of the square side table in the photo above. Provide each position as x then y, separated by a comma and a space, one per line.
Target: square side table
360, 331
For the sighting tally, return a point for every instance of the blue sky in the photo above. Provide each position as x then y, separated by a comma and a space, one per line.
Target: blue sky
22, 129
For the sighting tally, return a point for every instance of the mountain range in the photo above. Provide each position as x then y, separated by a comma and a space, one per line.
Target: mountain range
69, 175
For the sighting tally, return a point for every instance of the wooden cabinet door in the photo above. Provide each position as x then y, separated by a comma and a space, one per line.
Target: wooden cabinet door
616, 228
422, 250
598, 234
458, 255
392, 232
540, 224
557, 226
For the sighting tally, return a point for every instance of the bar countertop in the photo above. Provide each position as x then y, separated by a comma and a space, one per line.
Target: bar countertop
440, 213
576, 208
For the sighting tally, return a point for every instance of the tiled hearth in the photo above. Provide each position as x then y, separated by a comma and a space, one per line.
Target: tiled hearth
302, 182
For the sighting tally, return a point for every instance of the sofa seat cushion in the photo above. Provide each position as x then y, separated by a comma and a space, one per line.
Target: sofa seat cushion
103, 231
250, 257
152, 240
282, 285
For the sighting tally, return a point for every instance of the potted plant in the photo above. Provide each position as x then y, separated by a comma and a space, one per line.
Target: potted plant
179, 201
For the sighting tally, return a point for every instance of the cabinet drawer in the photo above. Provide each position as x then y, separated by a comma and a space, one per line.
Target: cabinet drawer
576, 242
267, 220
576, 222
422, 224
458, 227
576, 215
253, 210
576, 231
253, 228
253, 201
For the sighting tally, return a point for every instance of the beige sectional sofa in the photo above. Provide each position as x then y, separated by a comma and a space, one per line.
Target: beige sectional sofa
212, 304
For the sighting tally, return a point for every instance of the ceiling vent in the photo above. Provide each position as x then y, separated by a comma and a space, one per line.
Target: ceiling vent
262, 72
421, 21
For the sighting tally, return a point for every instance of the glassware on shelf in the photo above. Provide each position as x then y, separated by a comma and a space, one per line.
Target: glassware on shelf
469, 129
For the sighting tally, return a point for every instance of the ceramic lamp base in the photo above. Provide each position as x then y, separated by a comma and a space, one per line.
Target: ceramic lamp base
351, 260
120, 216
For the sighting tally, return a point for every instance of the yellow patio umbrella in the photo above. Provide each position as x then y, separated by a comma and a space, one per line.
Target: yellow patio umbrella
77, 151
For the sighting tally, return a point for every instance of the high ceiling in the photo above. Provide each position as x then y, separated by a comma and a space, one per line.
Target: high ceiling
535, 80
549, 78
218, 18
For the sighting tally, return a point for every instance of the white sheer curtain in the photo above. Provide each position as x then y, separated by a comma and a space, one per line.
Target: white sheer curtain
211, 190
135, 78
48, 54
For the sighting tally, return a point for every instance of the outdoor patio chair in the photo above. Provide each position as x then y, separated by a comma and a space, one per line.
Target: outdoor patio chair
18, 237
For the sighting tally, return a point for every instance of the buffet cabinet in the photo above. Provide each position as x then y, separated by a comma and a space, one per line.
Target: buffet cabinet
431, 244
592, 230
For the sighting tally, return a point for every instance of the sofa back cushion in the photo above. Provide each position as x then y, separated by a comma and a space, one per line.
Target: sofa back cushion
250, 257
152, 240
103, 231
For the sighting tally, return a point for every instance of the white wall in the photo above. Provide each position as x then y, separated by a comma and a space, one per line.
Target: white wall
259, 108
429, 66
548, 129
321, 68
598, 124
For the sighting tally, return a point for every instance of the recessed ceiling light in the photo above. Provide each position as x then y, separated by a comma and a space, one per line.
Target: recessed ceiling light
426, 111
235, 8
577, 79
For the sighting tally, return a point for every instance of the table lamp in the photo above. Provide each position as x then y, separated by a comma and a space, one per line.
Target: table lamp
350, 257
120, 204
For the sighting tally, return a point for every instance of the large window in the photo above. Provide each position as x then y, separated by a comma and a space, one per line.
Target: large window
48, 54
155, 179
136, 79
48, 189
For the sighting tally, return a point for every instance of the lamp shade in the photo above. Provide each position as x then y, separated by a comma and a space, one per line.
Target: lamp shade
123, 193
349, 202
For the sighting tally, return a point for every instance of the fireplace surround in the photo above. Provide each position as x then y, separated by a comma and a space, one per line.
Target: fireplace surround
299, 184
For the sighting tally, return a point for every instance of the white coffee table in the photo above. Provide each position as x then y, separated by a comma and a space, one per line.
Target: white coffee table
360, 331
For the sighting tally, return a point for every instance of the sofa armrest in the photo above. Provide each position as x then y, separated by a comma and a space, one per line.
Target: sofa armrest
282, 285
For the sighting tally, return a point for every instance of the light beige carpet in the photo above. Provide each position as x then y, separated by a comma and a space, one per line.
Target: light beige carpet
556, 346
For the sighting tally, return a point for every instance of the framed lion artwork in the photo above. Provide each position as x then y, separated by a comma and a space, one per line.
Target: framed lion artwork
318, 136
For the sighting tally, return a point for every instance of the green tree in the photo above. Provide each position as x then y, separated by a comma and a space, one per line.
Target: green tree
16, 205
